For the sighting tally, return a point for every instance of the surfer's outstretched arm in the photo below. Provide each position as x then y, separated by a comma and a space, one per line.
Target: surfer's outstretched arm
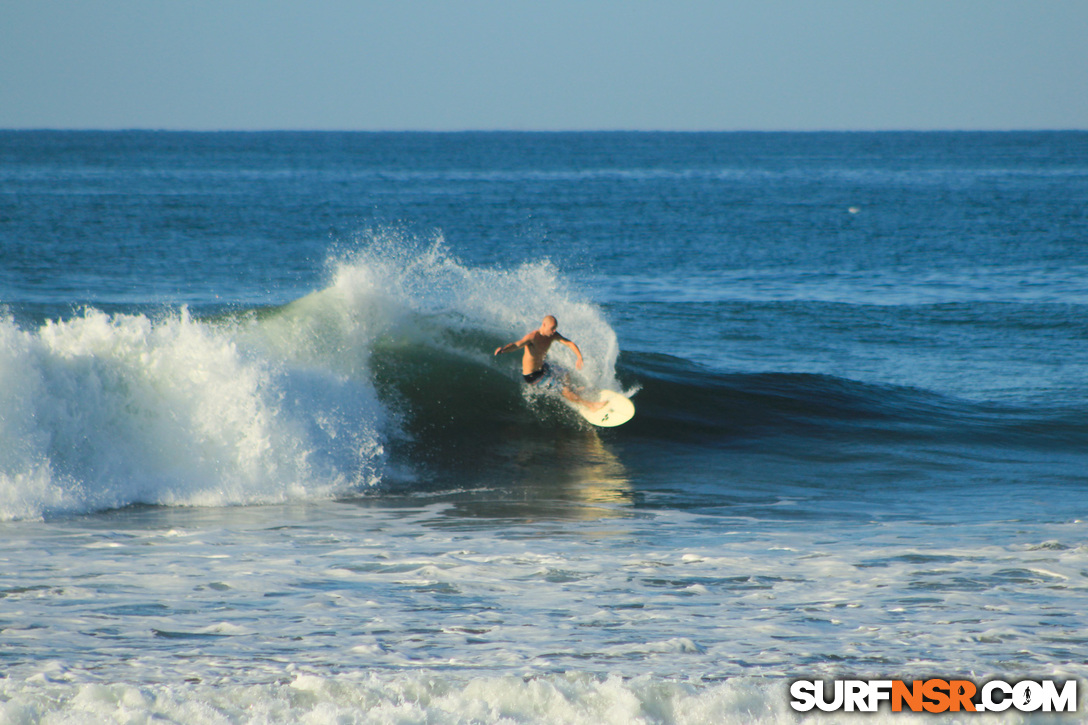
510, 346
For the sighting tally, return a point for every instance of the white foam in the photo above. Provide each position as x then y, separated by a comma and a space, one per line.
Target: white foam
105, 410
424, 697
350, 611
442, 699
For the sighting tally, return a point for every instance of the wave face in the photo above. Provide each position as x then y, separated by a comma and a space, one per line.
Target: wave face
688, 402
110, 410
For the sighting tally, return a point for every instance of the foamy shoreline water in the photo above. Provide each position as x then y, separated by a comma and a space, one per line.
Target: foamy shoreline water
370, 612
354, 586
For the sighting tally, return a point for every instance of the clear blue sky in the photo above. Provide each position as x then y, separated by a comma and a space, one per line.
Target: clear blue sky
544, 64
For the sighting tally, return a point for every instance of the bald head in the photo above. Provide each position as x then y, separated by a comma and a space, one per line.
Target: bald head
547, 327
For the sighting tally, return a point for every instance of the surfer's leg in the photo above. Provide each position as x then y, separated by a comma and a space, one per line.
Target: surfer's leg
575, 398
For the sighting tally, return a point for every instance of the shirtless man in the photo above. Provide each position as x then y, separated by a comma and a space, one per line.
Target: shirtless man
533, 367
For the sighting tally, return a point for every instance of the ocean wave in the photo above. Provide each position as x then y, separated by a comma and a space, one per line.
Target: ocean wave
108, 410
685, 401
689, 400
386, 375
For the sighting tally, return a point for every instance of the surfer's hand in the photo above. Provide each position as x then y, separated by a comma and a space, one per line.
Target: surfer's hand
498, 350
578, 364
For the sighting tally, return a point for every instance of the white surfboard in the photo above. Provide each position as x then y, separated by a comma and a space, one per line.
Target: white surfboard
618, 409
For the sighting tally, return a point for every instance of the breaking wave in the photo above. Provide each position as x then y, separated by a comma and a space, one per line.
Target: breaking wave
105, 410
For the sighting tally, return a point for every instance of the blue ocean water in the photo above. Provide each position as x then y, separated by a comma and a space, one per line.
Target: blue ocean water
258, 464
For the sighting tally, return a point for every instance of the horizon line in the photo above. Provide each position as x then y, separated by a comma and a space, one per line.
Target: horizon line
149, 129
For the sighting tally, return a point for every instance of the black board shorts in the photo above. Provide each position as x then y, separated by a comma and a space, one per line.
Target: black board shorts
545, 376
536, 374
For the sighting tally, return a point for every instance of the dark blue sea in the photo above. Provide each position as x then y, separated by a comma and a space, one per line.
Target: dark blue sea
259, 464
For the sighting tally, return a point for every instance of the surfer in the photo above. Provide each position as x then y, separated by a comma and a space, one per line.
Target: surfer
533, 367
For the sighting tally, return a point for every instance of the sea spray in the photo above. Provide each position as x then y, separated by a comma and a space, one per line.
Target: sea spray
427, 296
